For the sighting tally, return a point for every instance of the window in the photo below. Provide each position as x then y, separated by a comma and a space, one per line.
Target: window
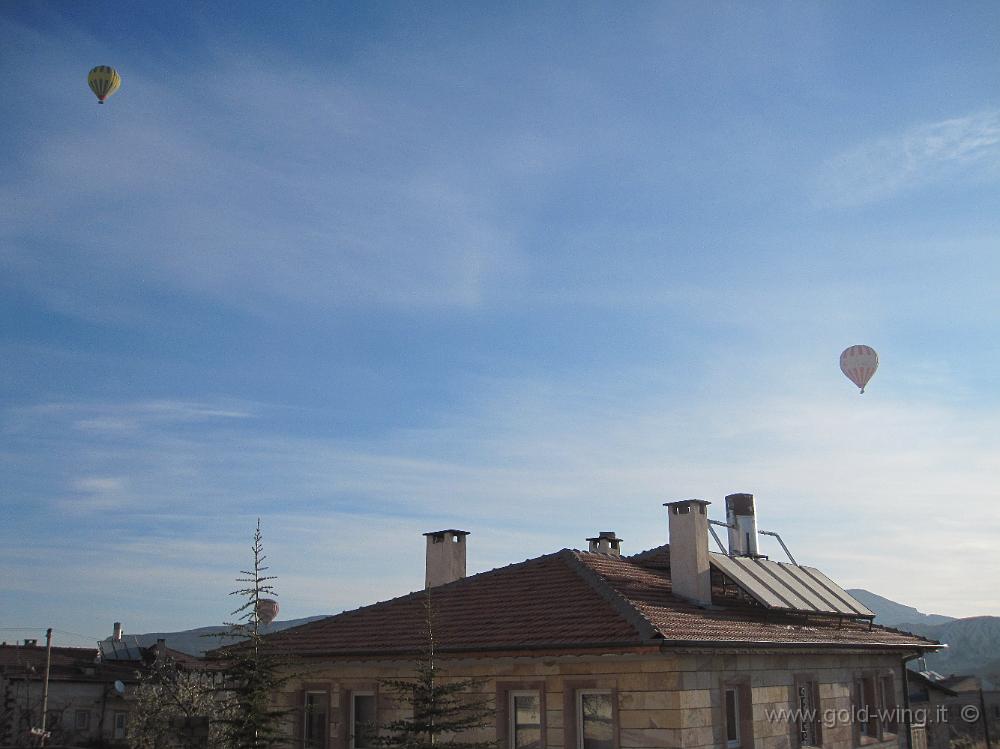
735, 714
315, 720
121, 718
525, 720
807, 703
363, 720
866, 708
732, 707
595, 715
82, 720
861, 709
520, 713
887, 703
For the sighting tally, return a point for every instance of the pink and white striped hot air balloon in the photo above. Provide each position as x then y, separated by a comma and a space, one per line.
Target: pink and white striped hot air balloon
859, 364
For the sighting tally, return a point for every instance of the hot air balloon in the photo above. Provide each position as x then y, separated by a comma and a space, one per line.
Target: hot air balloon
104, 81
267, 609
859, 364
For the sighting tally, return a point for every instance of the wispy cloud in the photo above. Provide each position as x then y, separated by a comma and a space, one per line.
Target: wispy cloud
96, 417
497, 280
333, 194
96, 494
960, 148
535, 467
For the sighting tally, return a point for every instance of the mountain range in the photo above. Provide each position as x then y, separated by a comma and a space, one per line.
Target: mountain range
973, 643
197, 641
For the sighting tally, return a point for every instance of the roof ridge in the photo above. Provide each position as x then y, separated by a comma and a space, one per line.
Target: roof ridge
653, 551
620, 603
408, 596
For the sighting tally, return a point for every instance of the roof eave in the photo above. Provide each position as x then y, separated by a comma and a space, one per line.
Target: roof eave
803, 645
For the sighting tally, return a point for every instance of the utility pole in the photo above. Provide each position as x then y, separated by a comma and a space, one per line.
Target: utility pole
985, 717
45, 688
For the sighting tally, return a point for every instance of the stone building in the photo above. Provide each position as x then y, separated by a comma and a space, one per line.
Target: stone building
972, 710
929, 702
677, 646
89, 690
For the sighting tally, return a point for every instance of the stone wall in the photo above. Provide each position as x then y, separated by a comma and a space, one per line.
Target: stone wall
662, 701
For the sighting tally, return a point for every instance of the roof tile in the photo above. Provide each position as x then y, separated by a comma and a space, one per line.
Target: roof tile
568, 600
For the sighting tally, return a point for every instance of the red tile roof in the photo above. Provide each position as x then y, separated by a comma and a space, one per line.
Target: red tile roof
18, 657
573, 600
543, 602
646, 585
68, 664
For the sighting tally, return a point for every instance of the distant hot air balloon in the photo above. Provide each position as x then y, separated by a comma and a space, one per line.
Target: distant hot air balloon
859, 364
267, 609
104, 81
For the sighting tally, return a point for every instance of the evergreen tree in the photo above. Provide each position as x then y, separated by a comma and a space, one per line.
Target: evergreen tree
254, 671
439, 711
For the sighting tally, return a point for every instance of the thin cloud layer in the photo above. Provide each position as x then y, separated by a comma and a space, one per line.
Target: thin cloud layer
843, 480
368, 271
256, 207
958, 149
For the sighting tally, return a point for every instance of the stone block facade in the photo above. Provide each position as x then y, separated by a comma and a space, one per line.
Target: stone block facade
665, 700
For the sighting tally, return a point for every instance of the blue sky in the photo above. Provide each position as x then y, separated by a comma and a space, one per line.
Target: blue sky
370, 270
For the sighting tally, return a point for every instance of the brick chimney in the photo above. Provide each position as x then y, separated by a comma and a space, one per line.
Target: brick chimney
606, 542
690, 575
741, 517
445, 557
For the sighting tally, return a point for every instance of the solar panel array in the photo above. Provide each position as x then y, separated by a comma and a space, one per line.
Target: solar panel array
790, 587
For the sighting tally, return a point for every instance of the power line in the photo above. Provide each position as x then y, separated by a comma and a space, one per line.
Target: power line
43, 629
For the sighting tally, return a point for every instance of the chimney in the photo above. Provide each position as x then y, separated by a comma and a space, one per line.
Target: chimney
606, 542
741, 517
445, 557
118, 632
690, 575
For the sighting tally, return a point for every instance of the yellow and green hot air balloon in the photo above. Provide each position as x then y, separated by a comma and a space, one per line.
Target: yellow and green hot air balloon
104, 81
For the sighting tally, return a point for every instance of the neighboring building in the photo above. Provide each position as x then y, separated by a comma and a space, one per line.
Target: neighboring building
972, 709
89, 690
673, 647
928, 700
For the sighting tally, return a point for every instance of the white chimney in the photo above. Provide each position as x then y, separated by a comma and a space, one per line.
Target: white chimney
741, 517
606, 542
445, 557
117, 636
690, 574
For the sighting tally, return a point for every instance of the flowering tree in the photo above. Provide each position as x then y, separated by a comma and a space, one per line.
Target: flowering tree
175, 708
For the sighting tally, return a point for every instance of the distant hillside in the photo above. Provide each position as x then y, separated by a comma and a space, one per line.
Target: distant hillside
197, 641
973, 643
892, 614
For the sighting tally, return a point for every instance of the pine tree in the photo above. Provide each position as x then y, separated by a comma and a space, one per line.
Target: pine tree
254, 671
439, 711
